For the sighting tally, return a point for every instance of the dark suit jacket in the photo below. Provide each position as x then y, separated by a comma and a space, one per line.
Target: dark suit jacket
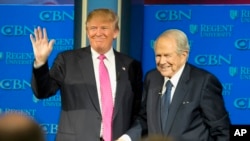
197, 111
73, 73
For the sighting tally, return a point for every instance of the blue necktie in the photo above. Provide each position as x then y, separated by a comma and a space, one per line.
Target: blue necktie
165, 102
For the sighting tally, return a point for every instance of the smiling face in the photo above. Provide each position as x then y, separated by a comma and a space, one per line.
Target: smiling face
101, 30
168, 60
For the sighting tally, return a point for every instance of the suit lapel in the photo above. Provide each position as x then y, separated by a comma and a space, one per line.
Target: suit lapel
157, 100
178, 97
87, 70
154, 101
121, 71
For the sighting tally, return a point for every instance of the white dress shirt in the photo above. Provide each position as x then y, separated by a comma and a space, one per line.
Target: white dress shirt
174, 80
109, 62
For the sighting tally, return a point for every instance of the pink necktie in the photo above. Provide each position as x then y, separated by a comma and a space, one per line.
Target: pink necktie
106, 99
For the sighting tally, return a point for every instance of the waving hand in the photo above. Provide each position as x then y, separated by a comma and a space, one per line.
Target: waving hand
42, 47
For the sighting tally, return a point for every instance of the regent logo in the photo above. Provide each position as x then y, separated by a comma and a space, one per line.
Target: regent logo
227, 87
245, 73
242, 72
234, 14
193, 28
211, 30
173, 15
56, 16
54, 101
212, 59
245, 16
28, 112
19, 58
242, 15
233, 71
63, 44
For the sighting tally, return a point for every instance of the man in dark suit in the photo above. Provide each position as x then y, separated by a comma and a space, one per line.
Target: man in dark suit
75, 73
196, 111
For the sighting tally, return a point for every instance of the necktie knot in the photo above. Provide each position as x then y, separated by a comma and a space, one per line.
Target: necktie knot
101, 57
169, 85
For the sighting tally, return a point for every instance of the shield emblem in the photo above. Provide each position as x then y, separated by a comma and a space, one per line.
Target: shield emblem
232, 71
233, 14
193, 28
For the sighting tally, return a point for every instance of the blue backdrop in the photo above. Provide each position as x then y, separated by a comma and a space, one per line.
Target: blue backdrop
219, 40
16, 58
218, 34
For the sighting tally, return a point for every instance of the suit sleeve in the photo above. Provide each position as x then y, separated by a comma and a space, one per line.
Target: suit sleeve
214, 111
45, 81
139, 127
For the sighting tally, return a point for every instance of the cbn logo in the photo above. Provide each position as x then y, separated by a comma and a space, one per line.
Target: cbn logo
173, 15
16, 30
193, 28
56, 15
14, 84
213, 59
242, 103
233, 71
242, 44
233, 14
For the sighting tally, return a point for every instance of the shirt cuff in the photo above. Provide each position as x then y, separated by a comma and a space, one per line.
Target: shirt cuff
125, 137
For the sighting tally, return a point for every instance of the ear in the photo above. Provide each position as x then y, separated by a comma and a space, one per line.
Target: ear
185, 53
116, 33
87, 32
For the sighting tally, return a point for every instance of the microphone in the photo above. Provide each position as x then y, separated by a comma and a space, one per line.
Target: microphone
160, 92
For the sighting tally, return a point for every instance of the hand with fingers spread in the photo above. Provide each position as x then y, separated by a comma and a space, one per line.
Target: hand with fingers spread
42, 47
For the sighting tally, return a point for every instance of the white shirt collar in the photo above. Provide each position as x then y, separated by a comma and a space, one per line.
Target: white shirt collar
175, 78
108, 54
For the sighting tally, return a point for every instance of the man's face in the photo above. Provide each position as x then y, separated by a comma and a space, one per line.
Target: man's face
168, 62
101, 34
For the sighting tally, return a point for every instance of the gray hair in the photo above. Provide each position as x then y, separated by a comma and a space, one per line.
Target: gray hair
179, 36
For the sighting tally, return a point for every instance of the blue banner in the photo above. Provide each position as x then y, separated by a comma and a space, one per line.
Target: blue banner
218, 35
16, 58
219, 41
